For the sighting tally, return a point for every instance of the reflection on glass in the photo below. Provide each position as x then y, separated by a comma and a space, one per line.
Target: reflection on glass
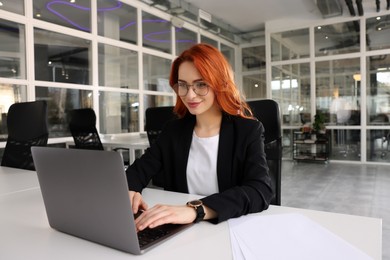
255, 86
378, 88
9, 94
14, 6
378, 147
345, 145
156, 33
118, 67
184, 39
156, 73
205, 39
157, 101
253, 58
378, 36
290, 86
290, 45
228, 52
75, 15
60, 102
13, 54
117, 20
338, 91
287, 143
61, 58
118, 112
337, 38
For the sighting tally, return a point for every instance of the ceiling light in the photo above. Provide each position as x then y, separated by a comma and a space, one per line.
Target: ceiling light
1, 3
378, 18
319, 27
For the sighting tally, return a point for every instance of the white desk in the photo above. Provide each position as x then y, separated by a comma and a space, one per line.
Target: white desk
25, 233
16, 180
131, 142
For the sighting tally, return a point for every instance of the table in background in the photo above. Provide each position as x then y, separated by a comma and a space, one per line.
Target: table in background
131, 142
25, 232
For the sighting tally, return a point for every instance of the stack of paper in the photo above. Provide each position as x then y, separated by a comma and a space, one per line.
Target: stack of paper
287, 236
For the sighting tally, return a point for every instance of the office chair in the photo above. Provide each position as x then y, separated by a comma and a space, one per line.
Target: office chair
155, 119
27, 126
82, 126
268, 113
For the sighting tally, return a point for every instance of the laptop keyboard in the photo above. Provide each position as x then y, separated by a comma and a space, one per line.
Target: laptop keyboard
149, 235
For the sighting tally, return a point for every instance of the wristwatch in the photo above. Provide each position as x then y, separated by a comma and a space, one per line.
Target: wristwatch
197, 205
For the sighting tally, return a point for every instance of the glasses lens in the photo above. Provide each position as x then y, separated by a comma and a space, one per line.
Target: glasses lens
201, 88
182, 89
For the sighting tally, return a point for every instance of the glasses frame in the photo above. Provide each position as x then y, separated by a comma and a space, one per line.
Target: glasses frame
194, 89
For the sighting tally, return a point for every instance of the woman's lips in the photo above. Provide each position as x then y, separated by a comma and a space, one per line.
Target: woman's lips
193, 104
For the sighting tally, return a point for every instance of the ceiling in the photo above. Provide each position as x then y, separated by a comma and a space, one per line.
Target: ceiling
251, 15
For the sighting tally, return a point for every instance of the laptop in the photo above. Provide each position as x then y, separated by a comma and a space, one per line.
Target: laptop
86, 195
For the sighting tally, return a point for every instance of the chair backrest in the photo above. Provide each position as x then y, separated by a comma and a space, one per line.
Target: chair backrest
268, 113
82, 126
27, 126
155, 119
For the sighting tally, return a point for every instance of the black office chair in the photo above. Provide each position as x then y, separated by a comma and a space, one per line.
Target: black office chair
155, 119
27, 126
268, 113
82, 126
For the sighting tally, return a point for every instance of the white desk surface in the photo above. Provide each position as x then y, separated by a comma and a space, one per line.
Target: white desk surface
16, 180
25, 232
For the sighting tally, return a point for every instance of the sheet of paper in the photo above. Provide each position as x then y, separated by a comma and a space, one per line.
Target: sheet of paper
287, 236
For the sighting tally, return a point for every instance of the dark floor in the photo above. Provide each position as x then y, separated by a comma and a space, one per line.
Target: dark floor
342, 188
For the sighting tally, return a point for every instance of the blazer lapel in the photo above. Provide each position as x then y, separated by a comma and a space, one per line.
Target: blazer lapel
225, 153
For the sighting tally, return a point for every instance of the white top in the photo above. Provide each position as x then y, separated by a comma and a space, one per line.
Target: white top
202, 165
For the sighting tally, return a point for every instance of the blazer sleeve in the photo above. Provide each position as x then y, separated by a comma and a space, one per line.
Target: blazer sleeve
247, 189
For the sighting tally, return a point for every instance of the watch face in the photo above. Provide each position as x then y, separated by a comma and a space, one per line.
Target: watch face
195, 203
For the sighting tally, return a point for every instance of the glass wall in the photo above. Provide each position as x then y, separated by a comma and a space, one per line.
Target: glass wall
336, 78
92, 54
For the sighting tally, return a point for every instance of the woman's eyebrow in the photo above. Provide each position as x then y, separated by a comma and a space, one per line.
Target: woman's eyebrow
197, 80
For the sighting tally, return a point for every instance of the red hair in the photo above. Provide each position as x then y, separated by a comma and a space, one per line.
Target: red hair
217, 72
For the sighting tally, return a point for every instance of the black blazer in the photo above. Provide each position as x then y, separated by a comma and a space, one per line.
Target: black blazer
242, 171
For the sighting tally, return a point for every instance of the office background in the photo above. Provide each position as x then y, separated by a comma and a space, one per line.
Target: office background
115, 57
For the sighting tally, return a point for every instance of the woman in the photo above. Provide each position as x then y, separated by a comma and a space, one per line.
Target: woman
214, 149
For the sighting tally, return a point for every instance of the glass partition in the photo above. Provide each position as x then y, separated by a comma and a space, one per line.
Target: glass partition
208, 40
9, 94
378, 89
119, 112
12, 49
118, 67
290, 45
156, 73
76, 15
337, 38
117, 20
228, 52
14, 6
184, 39
378, 36
156, 33
60, 101
290, 87
338, 91
61, 58
345, 145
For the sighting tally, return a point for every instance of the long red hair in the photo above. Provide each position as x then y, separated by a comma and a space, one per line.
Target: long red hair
217, 72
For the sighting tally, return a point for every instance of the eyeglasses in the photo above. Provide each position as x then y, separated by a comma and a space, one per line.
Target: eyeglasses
200, 88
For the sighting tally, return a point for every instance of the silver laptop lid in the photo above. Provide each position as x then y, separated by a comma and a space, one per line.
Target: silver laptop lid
86, 195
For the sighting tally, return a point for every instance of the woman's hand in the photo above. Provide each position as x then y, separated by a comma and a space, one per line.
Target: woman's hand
137, 202
163, 214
